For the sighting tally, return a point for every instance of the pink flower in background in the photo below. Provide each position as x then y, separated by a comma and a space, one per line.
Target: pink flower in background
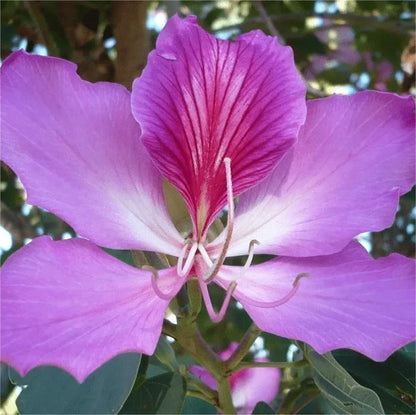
218, 120
248, 386
384, 73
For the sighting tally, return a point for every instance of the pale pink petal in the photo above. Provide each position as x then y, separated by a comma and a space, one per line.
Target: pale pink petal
71, 305
349, 301
250, 386
203, 375
201, 99
76, 148
354, 157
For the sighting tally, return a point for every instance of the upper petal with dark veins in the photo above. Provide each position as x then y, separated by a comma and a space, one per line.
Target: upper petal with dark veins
201, 99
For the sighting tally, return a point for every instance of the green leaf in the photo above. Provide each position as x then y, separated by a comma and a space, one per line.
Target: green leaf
124, 256
163, 394
53, 391
197, 406
165, 354
345, 394
5, 385
393, 380
263, 408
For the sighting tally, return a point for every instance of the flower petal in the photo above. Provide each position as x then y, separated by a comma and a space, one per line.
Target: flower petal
250, 386
203, 375
350, 300
355, 155
76, 148
71, 305
201, 99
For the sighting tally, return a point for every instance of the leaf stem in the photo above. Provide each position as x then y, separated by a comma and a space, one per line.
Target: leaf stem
201, 387
199, 395
169, 329
291, 365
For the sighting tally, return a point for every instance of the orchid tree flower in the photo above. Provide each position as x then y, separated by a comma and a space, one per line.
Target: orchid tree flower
248, 386
219, 120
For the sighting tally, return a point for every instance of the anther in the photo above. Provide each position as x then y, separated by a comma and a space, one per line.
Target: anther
155, 276
216, 317
184, 269
213, 271
281, 301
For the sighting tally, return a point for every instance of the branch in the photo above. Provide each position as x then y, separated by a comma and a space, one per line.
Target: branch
133, 39
17, 224
291, 365
267, 21
42, 26
338, 19
274, 32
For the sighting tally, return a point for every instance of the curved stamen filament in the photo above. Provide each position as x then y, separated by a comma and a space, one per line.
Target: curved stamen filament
250, 253
216, 317
184, 269
213, 271
155, 276
204, 255
281, 301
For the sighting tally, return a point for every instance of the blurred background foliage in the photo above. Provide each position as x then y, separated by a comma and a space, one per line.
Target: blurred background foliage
340, 46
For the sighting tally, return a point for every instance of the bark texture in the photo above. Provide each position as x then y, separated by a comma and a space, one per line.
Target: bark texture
133, 41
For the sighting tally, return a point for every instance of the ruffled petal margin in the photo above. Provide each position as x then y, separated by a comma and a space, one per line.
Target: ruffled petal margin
69, 304
76, 148
201, 99
349, 301
354, 157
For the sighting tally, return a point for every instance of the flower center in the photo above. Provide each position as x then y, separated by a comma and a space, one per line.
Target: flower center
194, 254
191, 247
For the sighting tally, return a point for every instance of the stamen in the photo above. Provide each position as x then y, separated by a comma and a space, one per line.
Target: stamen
155, 276
230, 224
250, 253
216, 317
183, 270
281, 301
205, 255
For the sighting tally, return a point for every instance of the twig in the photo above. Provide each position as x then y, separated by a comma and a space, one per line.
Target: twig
282, 365
242, 349
42, 25
337, 19
268, 22
17, 224
203, 389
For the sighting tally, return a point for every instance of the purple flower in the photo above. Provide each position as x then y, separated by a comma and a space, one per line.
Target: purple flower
248, 386
218, 120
